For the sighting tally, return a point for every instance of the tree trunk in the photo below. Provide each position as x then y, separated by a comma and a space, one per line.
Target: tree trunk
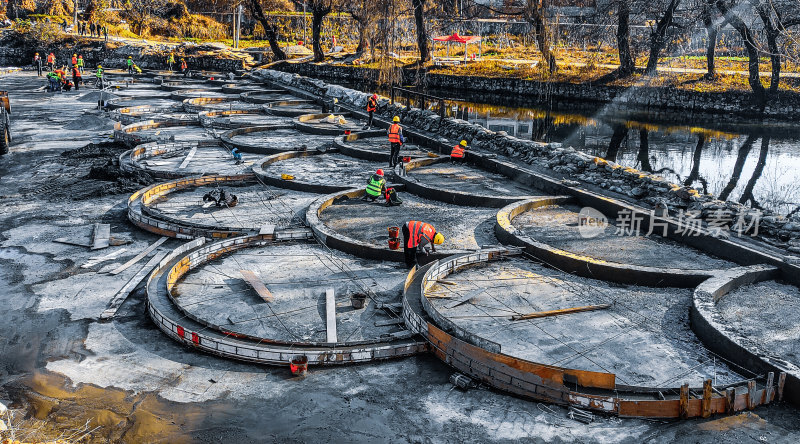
363, 26
772, 32
317, 15
616, 141
626, 63
422, 33
534, 14
738, 166
270, 31
754, 77
644, 151
698, 154
712, 31
747, 194
658, 38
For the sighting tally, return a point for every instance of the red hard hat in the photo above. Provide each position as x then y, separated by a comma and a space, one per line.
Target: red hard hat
374, 96
379, 172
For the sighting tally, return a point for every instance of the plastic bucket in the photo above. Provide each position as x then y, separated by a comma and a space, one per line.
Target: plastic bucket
394, 232
299, 365
394, 244
346, 132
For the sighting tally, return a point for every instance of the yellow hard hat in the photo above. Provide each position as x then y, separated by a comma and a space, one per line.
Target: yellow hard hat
73, 55
396, 119
100, 66
463, 143
438, 239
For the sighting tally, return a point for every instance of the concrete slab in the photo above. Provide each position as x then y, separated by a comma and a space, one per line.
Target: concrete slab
327, 169
176, 133
381, 145
463, 227
469, 179
282, 139
768, 313
558, 226
258, 205
298, 276
644, 338
205, 160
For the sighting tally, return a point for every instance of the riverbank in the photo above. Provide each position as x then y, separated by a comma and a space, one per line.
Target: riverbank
784, 106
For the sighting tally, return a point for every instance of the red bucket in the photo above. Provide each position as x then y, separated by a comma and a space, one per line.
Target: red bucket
346, 132
406, 159
394, 244
299, 365
394, 232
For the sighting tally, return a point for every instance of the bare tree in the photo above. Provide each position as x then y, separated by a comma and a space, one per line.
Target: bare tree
269, 25
319, 9
754, 77
535, 14
365, 13
659, 37
422, 33
626, 62
712, 31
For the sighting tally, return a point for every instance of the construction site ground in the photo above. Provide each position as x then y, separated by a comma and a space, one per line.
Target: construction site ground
61, 366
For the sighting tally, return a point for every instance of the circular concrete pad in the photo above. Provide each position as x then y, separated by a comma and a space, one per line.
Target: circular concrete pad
215, 159
281, 139
469, 179
326, 169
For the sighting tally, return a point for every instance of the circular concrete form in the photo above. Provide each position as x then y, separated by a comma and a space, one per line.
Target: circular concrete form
172, 160
328, 124
134, 114
292, 108
374, 145
558, 226
164, 131
321, 173
273, 139
239, 118
177, 85
266, 96
161, 101
184, 94
297, 275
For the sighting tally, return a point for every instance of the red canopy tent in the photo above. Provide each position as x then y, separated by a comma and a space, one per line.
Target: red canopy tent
467, 39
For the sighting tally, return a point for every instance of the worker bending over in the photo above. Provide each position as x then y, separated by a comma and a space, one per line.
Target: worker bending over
396, 140
419, 237
457, 155
130, 64
376, 186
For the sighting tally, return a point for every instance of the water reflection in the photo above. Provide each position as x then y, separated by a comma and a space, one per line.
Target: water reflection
708, 155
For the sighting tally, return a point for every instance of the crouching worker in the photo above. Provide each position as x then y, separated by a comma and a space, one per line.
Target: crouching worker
392, 199
457, 155
376, 186
419, 237
237, 156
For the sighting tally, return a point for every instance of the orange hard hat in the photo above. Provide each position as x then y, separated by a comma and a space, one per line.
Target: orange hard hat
379, 172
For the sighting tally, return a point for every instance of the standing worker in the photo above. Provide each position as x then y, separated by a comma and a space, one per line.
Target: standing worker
37, 62
396, 139
74, 60
376, 186
170, 61
51, 61
105, 33
80, 64
99, 75
130, 64
184, 67
457, 155
76, 77
372, 105
419, 237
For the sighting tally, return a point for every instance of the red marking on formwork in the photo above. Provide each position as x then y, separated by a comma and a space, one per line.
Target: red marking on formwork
195, 338
180, 331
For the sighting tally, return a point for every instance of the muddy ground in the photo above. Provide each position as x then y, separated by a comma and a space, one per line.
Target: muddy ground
60, 367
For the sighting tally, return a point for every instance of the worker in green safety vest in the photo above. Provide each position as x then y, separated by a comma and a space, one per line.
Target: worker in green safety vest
99, 75
376, 186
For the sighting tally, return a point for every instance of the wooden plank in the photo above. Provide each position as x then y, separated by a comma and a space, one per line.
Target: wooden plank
101, 236
768, 388
139, 256
386, 322
123, 293
684, 402
751, 395
106, 257
330, 314
544, 314
267, 230
706, 409
458, 302
781, 382
257, 285
730, 395
188, 158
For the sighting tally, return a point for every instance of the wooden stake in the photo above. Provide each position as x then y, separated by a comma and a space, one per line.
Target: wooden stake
706, 411
684, 401
544, 314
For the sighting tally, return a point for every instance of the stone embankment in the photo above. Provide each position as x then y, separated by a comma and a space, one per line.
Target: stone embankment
645, 188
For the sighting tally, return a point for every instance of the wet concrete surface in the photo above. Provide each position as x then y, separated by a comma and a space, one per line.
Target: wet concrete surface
462, 227
243, 120
769, 314
381, 145
60, 367
298, 276
174, 133
217, 160
282, 139
644, 338
468, 179
258, 205
326, 169
229, 105
557, 226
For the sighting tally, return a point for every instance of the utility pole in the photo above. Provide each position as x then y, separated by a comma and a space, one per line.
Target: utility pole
304, 22
239, 24
75, 17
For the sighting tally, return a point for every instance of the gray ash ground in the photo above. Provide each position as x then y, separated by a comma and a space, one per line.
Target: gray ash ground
644, 338
282, 139
258, 205
326, 169
462, 227
468, 179
381, 145
61, 367
557, 226
298, 276
768, 314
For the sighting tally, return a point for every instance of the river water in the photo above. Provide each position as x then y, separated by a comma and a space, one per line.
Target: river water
748, 161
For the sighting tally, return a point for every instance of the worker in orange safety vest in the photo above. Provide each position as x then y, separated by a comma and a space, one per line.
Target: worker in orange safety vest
372, 105
396, 140
457, 155
419, 237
